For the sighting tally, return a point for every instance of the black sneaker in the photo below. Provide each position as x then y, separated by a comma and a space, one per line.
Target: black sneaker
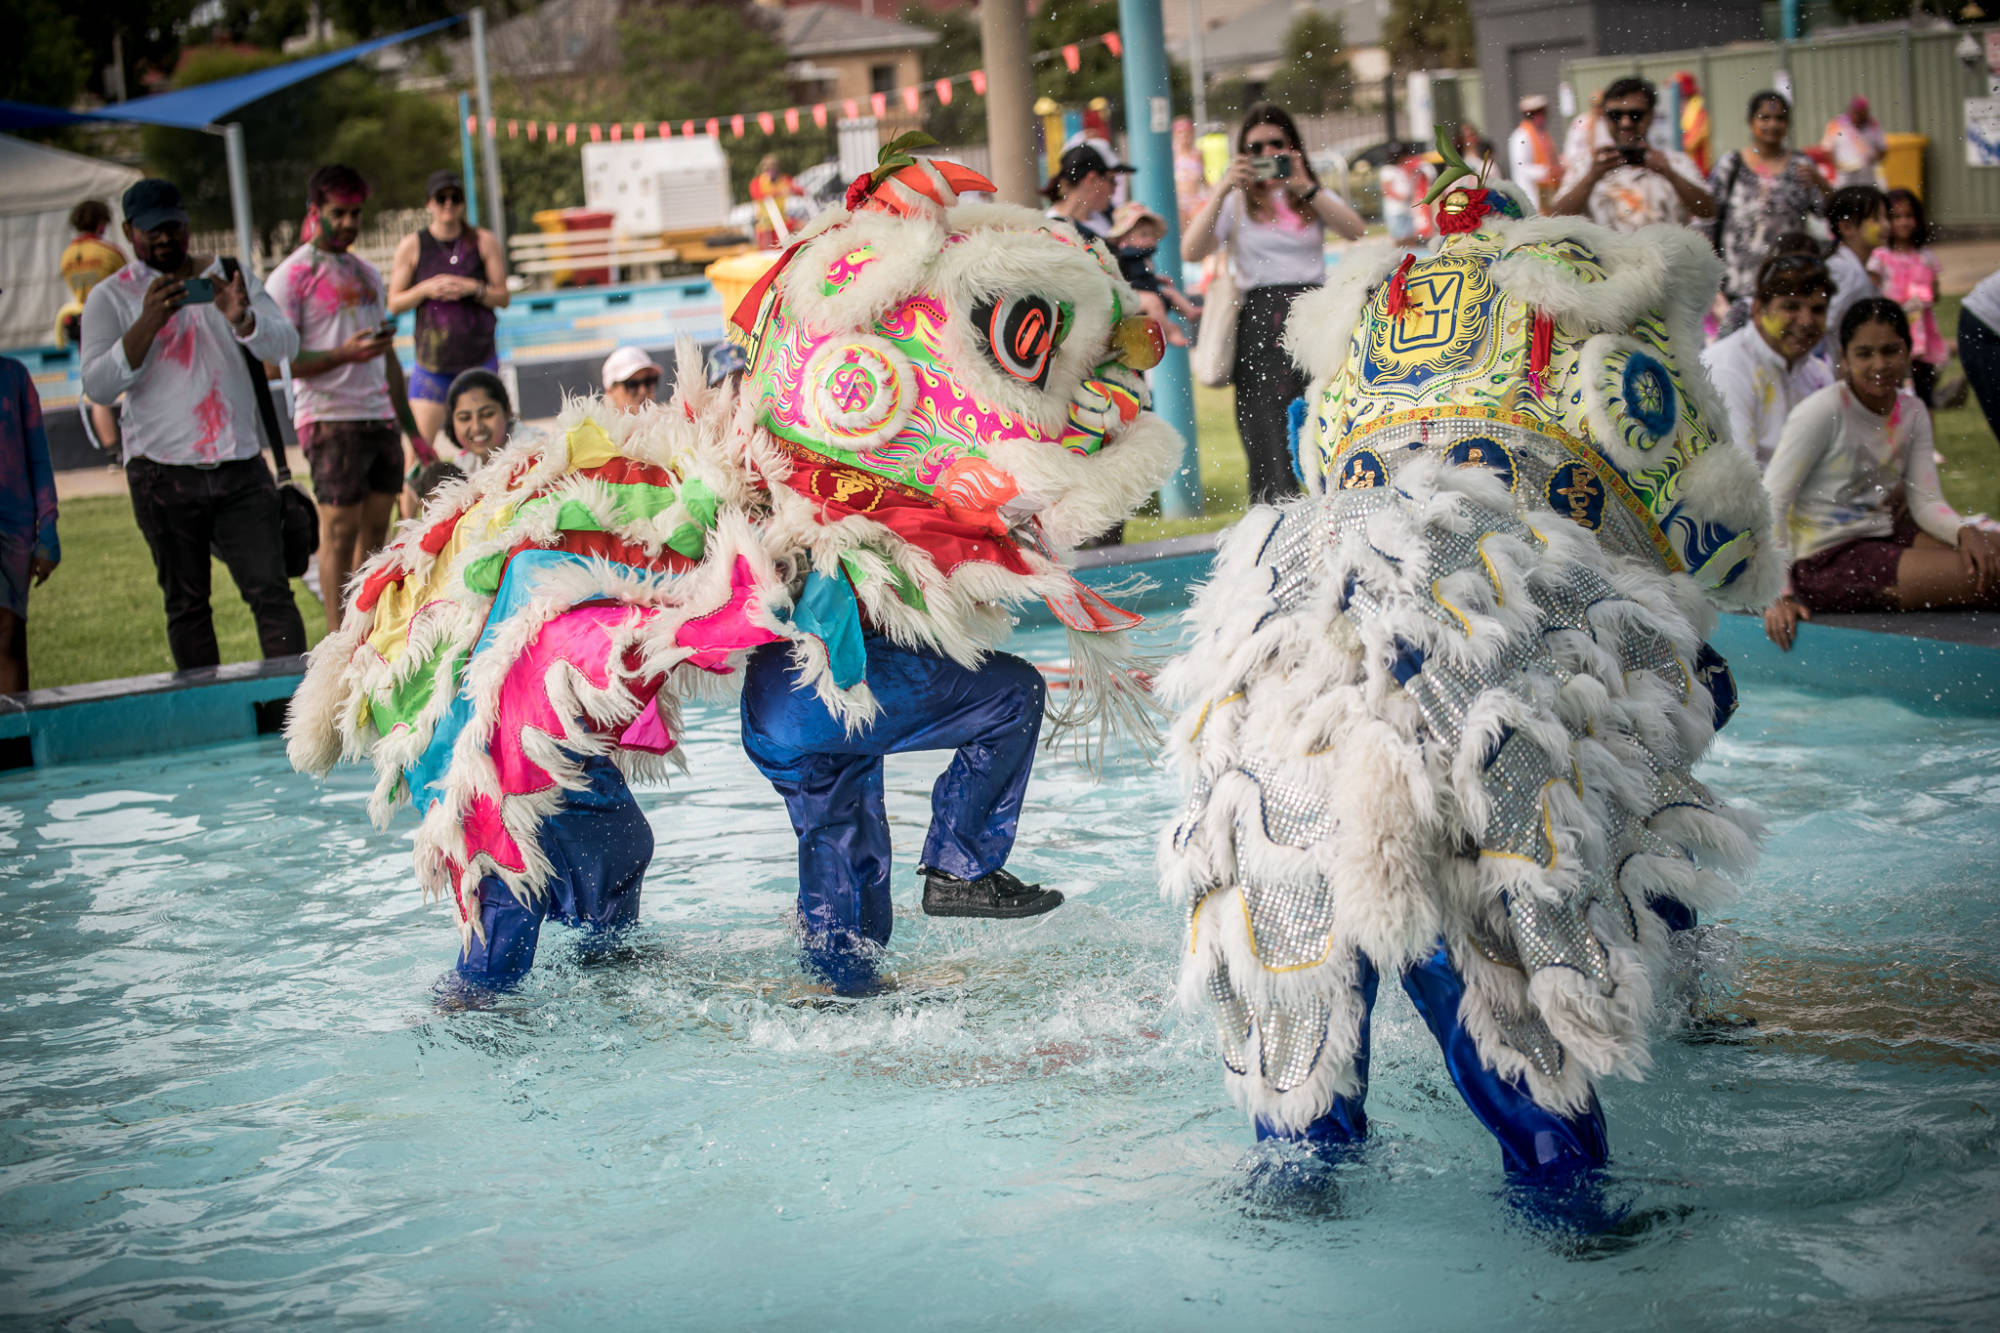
995, 894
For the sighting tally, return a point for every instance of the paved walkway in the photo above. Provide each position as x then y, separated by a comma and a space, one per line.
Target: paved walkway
1965, 263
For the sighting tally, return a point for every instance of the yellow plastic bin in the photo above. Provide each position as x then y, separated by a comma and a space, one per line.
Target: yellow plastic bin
1903, 164
735, 276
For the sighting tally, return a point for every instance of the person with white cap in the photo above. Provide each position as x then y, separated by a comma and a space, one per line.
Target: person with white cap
631, 378
1532, 163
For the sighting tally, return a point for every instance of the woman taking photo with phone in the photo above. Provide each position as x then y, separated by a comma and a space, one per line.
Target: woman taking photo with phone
1270, 217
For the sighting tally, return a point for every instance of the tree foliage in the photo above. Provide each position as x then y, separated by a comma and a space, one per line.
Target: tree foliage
1314, 76
45, 62
1429, 34
349, 115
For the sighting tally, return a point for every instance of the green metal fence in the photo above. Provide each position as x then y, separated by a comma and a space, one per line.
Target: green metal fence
1913, 80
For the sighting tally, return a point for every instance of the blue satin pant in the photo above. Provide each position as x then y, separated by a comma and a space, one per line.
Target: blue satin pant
1535, 1144
599, 844
832, 783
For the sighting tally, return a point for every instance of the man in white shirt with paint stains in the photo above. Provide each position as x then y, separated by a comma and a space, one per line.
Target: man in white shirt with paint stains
168, 332
1767, 367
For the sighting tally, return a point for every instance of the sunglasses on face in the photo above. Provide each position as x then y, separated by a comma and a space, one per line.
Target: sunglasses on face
449, 197
645, 383
1630, 115
1259, 147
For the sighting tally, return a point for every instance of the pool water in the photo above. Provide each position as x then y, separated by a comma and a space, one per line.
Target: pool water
229, 1101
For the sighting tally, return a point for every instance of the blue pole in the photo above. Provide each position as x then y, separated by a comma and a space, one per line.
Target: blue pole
1789, 18
1149, 115
465, 160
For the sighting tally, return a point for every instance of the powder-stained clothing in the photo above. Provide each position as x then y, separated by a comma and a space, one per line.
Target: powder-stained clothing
1910, 279
452, 335
27, 486
1842, 472
1759, 389
1628, 198
190, 401
329, 298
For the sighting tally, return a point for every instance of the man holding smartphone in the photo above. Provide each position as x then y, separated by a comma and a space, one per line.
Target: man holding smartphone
168, 331
352, 410
1631, 184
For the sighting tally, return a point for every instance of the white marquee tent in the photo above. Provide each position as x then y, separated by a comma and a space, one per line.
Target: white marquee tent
42, 185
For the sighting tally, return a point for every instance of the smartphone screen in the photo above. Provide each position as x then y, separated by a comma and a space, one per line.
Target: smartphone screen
1634, 157
199, 291
1265, 168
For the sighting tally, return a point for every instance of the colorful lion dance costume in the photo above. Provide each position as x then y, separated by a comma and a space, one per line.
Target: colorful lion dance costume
941, 398
1439, 715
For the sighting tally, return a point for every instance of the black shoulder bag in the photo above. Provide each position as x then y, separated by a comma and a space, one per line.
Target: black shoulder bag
1722, 204
296, 510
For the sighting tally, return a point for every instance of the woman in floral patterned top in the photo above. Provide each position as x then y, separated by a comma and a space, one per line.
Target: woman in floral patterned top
1761, 192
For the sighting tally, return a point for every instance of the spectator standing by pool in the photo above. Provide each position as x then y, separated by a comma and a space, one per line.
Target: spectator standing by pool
29, 551
1630, 184
1531, 155
454, 277
1761, 193
1587, 132
1979, 346
1766, 368
1859, 216
1271, 217
1907, 269
86, 261
1857, 144
1856, 509
169, 331
350, 392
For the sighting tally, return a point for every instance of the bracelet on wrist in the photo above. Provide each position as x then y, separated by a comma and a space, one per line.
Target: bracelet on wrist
1309, 195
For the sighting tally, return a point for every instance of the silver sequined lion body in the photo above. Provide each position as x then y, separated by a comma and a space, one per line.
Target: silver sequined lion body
1454, 693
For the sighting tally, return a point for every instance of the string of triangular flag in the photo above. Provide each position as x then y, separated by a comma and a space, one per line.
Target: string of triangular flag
910, 99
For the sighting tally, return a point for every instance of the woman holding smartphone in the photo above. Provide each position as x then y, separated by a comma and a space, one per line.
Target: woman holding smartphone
1270, 217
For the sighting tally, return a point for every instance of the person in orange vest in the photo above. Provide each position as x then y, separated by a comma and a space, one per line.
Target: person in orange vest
1531, 158
1694, 121
771, 190
86, 261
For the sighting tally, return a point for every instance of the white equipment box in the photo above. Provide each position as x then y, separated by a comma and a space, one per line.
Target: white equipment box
656, 185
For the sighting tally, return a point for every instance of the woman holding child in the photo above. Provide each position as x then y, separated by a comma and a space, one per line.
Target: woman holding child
1856, 506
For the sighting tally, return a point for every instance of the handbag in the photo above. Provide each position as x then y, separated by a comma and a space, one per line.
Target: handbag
1213, 360
297, 514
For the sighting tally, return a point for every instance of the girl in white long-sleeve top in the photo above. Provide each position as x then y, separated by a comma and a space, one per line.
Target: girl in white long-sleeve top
1855, 500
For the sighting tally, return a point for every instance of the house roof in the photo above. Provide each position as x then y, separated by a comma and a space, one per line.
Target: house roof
830, 30
1259, 34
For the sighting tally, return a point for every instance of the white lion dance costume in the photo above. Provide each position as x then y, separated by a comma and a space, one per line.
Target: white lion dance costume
1439, 715
941, 398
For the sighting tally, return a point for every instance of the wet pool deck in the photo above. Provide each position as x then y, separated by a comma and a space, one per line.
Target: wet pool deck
1947, 663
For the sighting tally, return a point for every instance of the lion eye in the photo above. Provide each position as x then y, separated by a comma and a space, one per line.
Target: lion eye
1020, 334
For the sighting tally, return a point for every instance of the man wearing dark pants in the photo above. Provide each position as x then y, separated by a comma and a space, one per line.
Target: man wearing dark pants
831, 779
166, 332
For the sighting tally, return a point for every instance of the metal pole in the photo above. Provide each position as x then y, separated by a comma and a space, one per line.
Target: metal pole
239, 196
465, 170
1389, 105
497, 224
1788, 12
1149, 119
1010, 97
1197, 69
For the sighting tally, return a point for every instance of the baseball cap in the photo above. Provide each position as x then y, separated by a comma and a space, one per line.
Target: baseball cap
152, 202
443, 180
724, 360
1081, 161
626, 362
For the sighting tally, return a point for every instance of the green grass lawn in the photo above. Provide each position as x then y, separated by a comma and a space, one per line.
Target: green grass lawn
100, 617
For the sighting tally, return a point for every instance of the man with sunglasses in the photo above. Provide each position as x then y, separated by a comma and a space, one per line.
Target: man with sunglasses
454, 277
168, 332
631, 379
1631, 184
